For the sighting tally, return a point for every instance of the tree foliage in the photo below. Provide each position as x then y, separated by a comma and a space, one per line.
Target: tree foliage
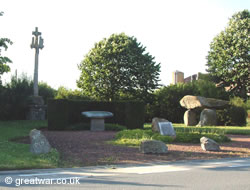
64, 93
229, 55
118, 66
4, 67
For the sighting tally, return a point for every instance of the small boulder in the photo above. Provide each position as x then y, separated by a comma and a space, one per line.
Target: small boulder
208, 118
39, 143
208, 144
155, 123
153, 146
192, 102
190, 118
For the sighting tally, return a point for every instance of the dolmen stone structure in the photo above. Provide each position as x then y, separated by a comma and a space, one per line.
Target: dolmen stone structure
206, 107
39, 143
163, 126
153, 146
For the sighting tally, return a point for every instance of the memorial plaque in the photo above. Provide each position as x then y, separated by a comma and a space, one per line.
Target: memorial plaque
166, 129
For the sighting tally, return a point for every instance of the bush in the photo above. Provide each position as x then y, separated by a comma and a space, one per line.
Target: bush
14, 97
233, 115
167, 99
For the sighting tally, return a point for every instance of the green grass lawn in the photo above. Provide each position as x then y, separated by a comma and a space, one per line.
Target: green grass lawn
183, 134
16, 155
236, 130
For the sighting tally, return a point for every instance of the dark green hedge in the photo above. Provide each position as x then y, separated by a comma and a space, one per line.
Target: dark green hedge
231, 116
62, 113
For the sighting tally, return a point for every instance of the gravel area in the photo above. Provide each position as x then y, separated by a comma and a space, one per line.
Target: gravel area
84, 148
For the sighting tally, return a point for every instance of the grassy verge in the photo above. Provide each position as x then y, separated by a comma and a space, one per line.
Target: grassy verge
136, 136
234, 130
16, 155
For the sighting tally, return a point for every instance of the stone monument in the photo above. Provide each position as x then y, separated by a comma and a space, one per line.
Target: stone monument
37, 109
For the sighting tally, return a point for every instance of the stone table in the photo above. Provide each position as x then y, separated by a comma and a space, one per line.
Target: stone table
97, 119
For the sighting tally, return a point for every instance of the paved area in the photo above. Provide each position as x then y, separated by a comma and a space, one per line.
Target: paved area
216, 174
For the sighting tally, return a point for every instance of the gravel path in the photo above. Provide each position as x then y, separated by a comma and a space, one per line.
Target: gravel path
91, 148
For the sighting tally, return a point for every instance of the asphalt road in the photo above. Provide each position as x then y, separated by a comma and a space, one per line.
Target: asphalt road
229, 174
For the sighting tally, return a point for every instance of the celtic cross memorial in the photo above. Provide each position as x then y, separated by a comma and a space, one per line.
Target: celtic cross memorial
37, 43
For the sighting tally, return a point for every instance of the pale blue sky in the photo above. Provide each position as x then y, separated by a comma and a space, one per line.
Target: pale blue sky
176, 32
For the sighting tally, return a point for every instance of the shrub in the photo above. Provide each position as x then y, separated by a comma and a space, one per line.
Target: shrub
14, 97
233, 115
166, 103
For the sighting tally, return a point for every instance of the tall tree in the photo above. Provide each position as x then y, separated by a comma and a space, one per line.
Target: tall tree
118, 66
229, 55
4, 67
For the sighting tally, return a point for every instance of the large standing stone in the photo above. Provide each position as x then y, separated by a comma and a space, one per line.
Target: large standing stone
39, 143
153, 146
190, 118
208, 117
191, 102
208, 144
155, 123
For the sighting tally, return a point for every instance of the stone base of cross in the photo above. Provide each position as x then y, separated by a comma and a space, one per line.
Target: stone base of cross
36, 108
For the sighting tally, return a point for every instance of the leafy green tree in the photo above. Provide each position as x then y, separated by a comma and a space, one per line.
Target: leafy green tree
118, 66
64, 93
4, 67
229, 55
46, 91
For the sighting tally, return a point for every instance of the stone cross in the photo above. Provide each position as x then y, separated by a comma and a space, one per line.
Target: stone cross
37, 43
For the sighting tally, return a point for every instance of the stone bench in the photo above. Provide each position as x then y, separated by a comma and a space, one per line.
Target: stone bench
97, 119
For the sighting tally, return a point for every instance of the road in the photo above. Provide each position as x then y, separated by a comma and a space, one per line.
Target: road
229, 174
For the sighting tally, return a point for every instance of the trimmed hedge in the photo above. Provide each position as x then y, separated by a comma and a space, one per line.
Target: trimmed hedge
232, 116
62, 113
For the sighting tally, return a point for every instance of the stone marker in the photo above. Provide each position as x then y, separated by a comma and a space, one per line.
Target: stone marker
208, 118
191, 102
97, 119
155, 123
167, 129
153, 146
209, 144
39, 143
190, 118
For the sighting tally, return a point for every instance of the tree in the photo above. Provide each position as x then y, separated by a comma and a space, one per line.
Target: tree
4, 67
118, 66
229, 55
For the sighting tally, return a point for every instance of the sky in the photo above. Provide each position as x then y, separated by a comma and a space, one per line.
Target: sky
176, 32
